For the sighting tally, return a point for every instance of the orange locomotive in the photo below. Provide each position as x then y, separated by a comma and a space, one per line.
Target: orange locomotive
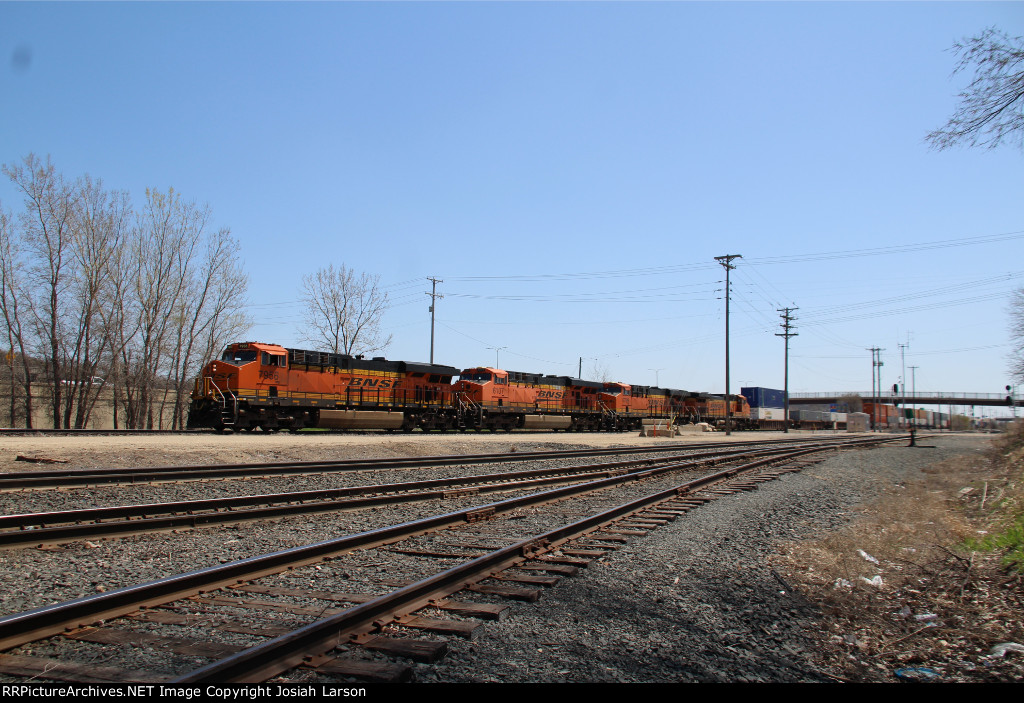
255, 385
497, 399
705, 407
266, 386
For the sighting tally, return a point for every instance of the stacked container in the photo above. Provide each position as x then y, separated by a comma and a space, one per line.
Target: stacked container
765, 403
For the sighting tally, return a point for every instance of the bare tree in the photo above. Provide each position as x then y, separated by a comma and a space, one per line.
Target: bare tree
599, 371
95, 294
12, 310
175, 294
852, 402
211, 315
344, 311
991, 108
47, 231
100, 232
121, 320
167, 235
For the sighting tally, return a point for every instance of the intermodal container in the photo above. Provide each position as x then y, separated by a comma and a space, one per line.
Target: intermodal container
764, 397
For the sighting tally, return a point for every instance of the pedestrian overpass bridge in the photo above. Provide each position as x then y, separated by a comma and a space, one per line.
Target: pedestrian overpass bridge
915, 398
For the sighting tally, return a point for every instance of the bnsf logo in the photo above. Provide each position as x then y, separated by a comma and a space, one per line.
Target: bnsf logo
550, 395
385, 383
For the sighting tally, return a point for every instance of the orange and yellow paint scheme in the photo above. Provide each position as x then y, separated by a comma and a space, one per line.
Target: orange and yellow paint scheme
660, 403
636, 402
619, 399
704, 407
265, 385
490, 389
257, 385
500, 399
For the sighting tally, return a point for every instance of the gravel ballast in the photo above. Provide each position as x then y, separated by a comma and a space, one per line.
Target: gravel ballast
695, 600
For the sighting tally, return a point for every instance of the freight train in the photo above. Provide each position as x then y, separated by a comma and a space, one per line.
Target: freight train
265, 386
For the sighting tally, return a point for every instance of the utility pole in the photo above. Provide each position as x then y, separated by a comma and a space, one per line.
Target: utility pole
787, 325
497, 350
876, 363
434, 295
656, 375
726, 262
903, 381
589, 358
913, 397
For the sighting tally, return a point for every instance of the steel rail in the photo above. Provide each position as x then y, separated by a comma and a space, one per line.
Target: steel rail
29, 431
53, 619
285, 652
57, 478
32, 529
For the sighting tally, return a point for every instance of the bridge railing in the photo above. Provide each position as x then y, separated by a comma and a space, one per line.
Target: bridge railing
889, 395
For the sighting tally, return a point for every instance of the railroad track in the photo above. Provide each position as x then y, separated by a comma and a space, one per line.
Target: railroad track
39, 432
65, 478
258, 637
56, 527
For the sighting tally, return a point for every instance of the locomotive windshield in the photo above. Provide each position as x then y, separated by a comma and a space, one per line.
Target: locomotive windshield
239, 357
476, 377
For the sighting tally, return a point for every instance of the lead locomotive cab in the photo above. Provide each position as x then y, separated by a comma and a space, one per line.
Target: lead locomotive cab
256, 385
240, 390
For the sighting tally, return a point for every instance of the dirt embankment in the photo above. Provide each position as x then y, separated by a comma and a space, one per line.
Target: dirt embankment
902, 595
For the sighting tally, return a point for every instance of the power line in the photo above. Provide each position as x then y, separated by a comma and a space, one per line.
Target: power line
767, 261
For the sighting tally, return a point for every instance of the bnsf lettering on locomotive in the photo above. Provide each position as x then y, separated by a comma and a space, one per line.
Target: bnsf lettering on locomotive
384, 383
451, 404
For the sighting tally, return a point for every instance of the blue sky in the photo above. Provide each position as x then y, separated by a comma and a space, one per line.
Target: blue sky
570, 170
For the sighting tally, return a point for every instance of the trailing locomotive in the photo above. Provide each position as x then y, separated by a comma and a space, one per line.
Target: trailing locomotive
266, 386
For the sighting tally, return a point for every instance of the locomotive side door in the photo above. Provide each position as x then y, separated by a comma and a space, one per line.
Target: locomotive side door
273, 373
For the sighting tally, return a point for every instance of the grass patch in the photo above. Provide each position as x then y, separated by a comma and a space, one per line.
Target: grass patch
1006, 516
1011, 540
915, 582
